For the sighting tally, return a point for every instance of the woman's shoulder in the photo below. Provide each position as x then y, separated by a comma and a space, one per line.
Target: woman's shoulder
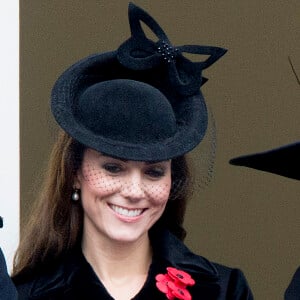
51, 279
234, 282
46, 280
214, 280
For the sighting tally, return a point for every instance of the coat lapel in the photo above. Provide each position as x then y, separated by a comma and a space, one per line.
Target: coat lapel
174, 253
168, 252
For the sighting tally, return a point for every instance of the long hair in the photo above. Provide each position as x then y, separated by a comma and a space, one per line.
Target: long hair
55, 225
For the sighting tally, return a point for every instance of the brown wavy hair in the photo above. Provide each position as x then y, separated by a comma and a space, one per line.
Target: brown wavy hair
55, 225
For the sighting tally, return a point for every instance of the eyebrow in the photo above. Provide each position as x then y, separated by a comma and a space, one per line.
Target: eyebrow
151, 162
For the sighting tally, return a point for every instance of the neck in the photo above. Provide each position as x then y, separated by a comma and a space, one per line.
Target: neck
114, 261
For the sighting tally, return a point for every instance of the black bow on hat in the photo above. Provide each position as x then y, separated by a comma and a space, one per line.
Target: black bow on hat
141, 102
141, 53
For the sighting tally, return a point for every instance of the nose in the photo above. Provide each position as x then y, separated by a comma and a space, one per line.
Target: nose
134, 188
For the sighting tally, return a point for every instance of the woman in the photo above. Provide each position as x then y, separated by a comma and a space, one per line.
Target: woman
109, 221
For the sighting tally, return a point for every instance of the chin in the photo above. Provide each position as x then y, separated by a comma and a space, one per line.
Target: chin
128, 236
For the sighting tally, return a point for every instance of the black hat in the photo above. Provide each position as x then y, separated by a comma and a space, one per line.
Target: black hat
284, 161
140, 102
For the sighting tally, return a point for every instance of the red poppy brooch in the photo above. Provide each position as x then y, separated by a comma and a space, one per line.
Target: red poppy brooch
174, 284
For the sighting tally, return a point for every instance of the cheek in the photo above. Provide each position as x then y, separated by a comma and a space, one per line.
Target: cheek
159, 193
98, 181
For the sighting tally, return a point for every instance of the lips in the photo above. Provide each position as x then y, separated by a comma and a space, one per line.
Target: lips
129, 213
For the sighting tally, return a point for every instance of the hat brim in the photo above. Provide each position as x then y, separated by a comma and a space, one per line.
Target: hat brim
190, 111
283, 161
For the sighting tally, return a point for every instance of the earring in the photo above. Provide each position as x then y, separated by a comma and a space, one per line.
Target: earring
76, 195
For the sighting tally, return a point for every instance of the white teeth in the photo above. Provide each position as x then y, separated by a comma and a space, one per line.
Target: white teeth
126, 212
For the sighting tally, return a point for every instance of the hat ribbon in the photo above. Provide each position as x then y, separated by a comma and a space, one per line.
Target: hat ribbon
141, 53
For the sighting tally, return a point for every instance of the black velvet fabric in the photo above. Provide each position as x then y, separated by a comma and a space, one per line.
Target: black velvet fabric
137, 125
143, 114
293, 290
141, 53
7, 288
75, 279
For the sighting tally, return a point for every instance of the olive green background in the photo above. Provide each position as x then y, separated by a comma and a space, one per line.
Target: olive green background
243, 218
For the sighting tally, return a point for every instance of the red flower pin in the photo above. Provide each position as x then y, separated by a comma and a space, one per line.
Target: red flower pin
174, 284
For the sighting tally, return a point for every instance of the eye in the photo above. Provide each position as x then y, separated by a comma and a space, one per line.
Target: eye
112, 168
155, 172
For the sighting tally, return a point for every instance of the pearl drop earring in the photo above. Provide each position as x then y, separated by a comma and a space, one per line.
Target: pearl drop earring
75, 195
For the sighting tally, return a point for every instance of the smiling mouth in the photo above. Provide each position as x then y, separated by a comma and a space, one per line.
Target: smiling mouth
131, 213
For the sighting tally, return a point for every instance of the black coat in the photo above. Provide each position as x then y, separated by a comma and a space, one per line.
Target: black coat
75, 279
293, 290
7, 288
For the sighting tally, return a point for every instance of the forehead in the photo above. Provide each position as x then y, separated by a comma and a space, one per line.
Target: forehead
91, 154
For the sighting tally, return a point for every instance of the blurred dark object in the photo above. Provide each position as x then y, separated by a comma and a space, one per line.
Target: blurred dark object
284, 161
293, 291
1, 222
7, 288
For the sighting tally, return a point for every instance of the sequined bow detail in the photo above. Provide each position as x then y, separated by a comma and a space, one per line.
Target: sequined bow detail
141, 53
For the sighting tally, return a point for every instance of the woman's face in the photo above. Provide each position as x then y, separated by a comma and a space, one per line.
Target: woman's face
122, 199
